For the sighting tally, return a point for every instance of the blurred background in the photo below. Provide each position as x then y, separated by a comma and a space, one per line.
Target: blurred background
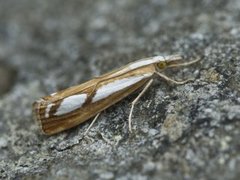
186, 132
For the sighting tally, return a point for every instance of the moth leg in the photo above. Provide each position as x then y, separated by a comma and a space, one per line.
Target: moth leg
135, 101
172, 80
90, 126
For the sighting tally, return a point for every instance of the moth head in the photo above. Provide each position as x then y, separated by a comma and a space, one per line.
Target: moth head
162, 64
174, 61
169, 61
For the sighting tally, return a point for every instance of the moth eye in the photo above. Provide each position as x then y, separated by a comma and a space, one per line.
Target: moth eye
162, 65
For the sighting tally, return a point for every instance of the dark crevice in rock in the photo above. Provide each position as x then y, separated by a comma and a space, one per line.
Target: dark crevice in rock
8, 76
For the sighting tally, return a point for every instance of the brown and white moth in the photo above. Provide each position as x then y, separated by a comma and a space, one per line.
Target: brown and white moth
67, 108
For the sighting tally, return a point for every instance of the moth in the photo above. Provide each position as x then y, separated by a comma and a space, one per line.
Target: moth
70, 107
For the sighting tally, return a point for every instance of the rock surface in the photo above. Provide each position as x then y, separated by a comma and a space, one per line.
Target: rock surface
180, 132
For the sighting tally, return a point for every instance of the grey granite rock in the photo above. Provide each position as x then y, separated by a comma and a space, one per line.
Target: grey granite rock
180, 132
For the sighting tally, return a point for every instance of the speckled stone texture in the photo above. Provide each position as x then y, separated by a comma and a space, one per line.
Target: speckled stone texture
180, 132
